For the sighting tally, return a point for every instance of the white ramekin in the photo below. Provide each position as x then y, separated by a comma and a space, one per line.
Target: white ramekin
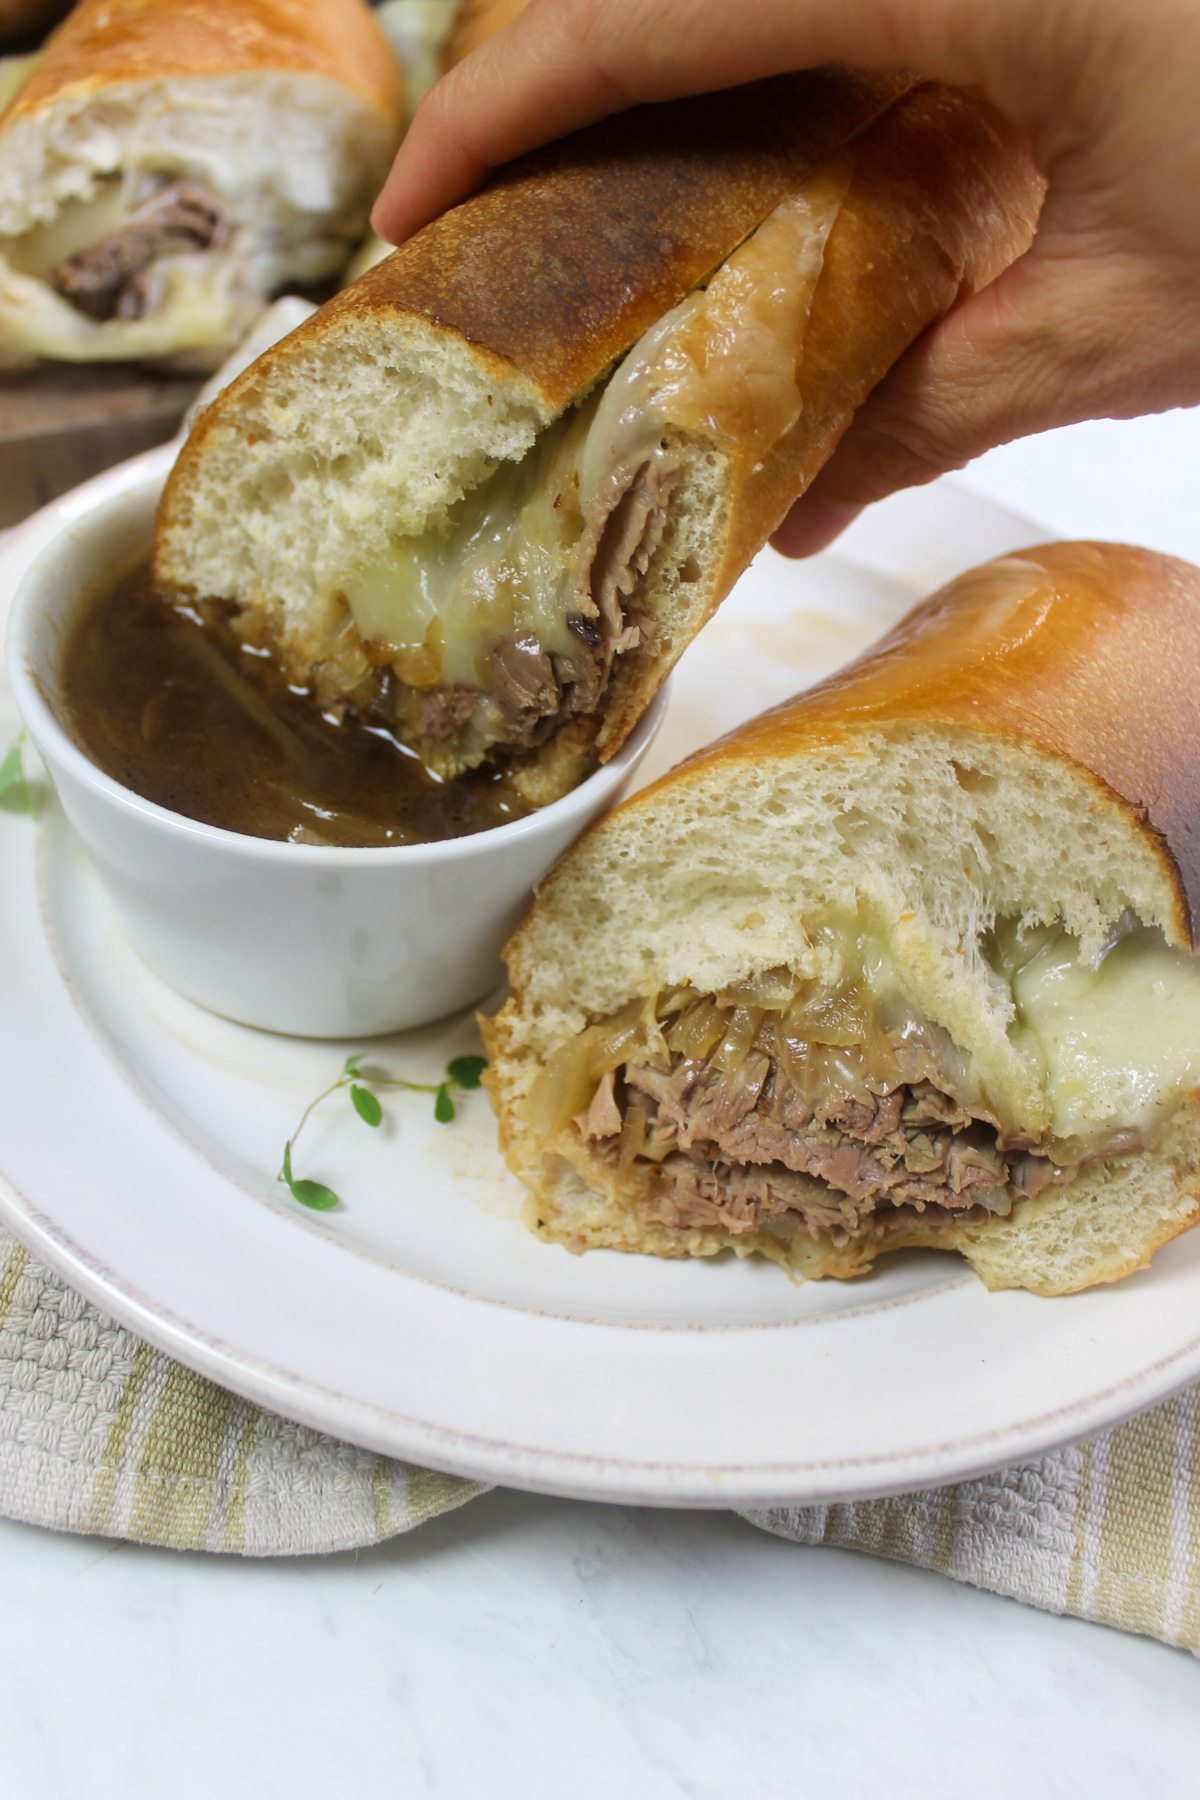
298, 938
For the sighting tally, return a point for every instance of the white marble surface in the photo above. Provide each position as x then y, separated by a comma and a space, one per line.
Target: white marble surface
542, 1649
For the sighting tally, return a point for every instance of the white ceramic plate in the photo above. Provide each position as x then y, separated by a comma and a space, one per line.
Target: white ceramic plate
140, 1136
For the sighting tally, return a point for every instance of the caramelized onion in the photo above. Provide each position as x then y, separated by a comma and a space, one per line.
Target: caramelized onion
801, 1064
924, 1052
843, 1016
730, 1053
694, 1034
569, 1080
846, 1072
772, 990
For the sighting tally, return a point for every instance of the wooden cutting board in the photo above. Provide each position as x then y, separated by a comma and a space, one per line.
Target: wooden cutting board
60, 423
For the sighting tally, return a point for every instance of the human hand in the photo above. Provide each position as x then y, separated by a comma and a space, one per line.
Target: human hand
1100, 318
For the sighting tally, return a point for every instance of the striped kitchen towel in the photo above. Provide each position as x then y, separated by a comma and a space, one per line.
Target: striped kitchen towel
1107, 1529
100, 1433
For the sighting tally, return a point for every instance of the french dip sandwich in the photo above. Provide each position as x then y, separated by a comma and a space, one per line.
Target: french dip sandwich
910, 960
167, 166
486, 496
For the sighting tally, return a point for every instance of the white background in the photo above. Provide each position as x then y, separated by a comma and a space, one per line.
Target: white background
539, 1648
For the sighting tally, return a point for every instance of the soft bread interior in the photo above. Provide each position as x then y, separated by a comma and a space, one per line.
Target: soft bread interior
295, 159
931, 835
346, 443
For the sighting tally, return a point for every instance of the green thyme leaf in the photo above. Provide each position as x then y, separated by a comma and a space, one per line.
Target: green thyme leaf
366, 1105
465, 1071
308, 1193
462, 1073
311, 1193
12, 776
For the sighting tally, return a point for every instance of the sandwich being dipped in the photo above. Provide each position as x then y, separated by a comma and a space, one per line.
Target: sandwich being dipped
487, 495
908, 961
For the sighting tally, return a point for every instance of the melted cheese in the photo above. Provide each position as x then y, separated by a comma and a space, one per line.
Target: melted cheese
79, 224
513, 557
725, 360
1119, 1043
14, 73
502, 565
1115, 1041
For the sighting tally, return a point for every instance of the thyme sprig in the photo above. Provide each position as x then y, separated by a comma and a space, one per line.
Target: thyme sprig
462, 1074
12, 776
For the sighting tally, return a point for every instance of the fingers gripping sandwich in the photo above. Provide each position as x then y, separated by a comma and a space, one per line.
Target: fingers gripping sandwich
447, 506
168, 165
910, 960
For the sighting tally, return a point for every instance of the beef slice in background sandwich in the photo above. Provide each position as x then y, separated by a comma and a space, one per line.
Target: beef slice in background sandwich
489, 493
166, 168
909, 960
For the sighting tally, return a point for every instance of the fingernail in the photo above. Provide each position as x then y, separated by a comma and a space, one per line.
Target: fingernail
812, 524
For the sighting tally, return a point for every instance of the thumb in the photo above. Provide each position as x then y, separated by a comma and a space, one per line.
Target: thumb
1069, 332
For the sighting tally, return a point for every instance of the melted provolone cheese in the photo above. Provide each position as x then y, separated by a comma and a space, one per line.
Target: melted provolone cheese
513, 558
501, 566
1120, 1043
725, 360
79, 225
14, 73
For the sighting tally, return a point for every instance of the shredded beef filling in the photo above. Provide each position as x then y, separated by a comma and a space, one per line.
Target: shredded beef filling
108, 280
534, 691
740, 1149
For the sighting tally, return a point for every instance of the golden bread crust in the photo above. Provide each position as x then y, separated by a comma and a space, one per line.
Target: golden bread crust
571, 253
988, 652
103, 42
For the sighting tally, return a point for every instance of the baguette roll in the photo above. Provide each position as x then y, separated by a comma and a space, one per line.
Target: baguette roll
489, 493
910, 960
167, 167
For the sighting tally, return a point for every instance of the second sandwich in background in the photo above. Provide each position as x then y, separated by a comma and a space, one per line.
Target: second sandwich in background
166, 169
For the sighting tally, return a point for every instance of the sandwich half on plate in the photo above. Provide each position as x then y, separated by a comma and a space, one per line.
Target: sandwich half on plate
908, 961
165, 169
487, 495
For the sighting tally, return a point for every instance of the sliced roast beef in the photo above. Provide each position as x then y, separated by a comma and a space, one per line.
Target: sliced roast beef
741, 1147
534, 691
690, 1195
525, 689
631, 534
445, 711
105, 280
602, 1118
